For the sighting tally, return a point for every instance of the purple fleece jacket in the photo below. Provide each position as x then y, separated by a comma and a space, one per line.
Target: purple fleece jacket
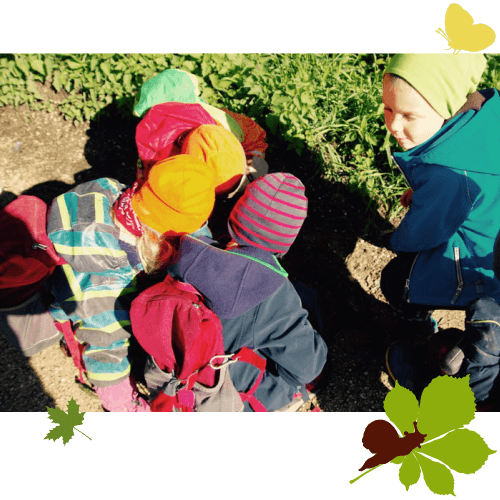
258, 308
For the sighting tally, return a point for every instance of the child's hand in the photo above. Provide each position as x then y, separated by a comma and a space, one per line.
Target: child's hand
406, 198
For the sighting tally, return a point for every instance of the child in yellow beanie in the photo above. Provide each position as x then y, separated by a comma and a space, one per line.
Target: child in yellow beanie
449, 133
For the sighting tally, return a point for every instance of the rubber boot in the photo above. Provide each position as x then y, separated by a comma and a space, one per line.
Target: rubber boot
122, 397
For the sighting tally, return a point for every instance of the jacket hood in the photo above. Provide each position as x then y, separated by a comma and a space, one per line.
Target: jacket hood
468, 141
157, 133
232, 282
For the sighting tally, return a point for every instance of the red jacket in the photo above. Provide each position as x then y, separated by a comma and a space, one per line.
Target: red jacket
254, 143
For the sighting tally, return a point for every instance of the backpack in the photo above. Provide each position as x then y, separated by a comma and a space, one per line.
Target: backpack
187, 368
27, 260
27, 256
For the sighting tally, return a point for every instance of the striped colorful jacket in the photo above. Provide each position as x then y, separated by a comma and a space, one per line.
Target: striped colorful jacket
96, 286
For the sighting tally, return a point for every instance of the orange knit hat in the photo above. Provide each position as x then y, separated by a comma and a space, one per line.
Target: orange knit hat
222, 151
178, 196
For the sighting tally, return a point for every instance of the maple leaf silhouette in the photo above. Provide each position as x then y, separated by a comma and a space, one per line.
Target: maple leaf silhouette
66, 422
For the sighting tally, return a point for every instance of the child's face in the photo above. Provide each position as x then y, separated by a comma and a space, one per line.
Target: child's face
408, 116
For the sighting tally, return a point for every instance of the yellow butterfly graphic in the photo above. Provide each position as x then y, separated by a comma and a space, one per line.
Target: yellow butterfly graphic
462, 33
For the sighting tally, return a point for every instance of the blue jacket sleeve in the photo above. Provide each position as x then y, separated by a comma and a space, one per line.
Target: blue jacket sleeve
283, 333
95, 286
440, 204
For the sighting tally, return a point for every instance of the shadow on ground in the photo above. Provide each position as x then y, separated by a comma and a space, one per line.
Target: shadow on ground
20, 389
356, 322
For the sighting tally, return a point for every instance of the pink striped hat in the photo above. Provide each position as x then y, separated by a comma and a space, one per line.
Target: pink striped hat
270, 213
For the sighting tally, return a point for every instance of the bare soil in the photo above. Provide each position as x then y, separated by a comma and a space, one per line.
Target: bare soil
337, 253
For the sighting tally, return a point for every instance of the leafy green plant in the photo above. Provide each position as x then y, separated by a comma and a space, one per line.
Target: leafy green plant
325, 105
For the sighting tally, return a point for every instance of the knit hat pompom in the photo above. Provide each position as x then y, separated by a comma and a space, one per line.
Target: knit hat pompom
270, 213
444, 80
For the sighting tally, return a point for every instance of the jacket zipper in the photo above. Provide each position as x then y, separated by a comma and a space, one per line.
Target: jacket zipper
456, 253
406, 293
34, 246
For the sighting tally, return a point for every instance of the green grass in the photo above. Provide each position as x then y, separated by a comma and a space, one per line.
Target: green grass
327, 106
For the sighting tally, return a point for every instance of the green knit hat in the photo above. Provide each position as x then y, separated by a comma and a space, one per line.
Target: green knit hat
172, 85
444, 80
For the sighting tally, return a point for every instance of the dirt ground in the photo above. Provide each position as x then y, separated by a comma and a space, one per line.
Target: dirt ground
336, 253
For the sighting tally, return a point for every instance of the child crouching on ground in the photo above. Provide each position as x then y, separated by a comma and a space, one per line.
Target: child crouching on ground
248, 289
450, 136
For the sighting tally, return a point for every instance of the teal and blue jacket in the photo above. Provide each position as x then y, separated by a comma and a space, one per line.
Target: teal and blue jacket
96, 286
455, 211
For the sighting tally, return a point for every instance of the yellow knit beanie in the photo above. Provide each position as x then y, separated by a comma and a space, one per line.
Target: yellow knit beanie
444, 80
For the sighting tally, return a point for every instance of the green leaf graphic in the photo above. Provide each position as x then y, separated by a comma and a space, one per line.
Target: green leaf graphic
462, 450
401, 406
410, 470
66, 422
447, 403
437, 477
